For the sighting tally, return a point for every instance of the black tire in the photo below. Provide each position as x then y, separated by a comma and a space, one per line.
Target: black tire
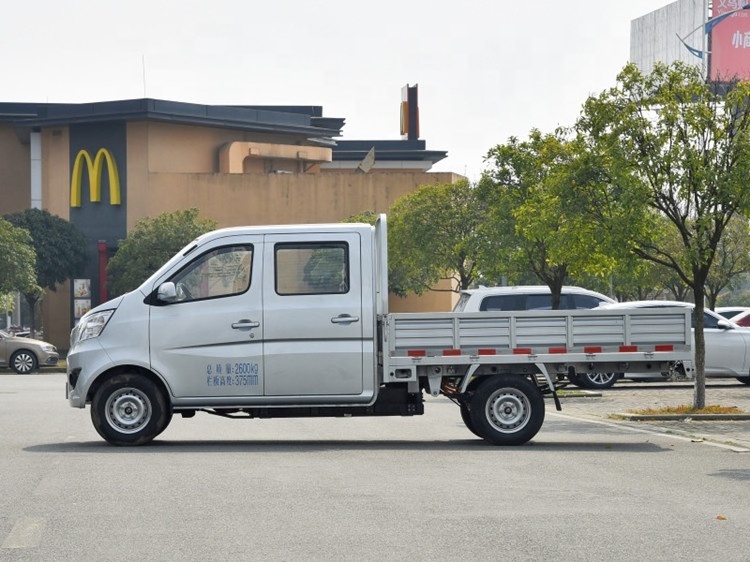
597, 381
744, 380
507, 410
466, 417
23, 362
129, 409
575, 379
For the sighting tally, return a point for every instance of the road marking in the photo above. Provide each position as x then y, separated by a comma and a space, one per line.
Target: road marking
662, 433
26, 533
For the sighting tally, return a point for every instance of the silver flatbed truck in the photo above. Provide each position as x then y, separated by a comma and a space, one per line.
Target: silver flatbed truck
292, 321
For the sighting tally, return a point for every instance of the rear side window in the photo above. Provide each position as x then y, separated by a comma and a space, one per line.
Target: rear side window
502, 303
312, 268
585, 301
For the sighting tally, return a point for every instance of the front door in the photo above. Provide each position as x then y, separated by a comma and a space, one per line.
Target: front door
209, 342
312, 316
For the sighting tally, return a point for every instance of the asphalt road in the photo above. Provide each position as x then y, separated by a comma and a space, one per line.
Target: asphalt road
423, 488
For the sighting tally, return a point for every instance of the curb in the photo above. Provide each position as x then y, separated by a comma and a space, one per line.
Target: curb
681, 417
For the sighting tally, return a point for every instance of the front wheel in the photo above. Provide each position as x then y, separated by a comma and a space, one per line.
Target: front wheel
23, 362
129, 409
507, 410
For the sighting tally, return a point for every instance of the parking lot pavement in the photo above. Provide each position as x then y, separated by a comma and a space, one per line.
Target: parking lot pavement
626, 397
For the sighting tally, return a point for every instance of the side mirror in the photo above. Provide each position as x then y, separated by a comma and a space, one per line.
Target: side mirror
724, 325
167, 292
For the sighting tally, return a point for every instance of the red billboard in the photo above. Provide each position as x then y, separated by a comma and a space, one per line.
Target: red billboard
730, 41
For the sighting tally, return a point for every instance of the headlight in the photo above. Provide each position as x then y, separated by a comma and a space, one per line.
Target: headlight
91, 326
49, 348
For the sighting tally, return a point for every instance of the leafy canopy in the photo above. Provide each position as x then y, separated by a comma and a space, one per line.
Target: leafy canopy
60, 247
17, 259
435, 234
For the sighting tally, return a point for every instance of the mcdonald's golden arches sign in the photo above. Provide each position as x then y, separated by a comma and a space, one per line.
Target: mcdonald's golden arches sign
95, 170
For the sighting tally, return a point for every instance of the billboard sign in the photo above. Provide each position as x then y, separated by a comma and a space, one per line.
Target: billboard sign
730, 41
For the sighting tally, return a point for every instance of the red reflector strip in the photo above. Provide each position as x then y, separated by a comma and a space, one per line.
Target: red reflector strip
522, 351
486, 352
593, 349
664, 347
417, 353
451, 352
628, 348
558, 350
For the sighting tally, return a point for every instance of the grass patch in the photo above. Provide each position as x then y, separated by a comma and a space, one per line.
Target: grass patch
687, 409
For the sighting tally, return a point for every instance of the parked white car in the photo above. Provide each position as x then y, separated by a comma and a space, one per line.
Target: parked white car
727, 344
526, 297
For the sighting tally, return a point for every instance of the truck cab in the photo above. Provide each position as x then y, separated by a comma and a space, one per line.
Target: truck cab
239, 317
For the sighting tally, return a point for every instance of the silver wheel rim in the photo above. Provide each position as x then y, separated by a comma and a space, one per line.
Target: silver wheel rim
508, 410
128, 410
23, 362
600, 378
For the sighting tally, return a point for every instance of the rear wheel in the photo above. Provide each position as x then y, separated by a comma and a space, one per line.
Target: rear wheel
466, 417
597, 380
129, 409
23, 362
507, 410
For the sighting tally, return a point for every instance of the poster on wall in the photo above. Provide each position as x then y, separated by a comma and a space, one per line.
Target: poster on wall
81, 297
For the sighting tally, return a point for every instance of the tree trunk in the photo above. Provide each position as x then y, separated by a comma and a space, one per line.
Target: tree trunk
699, 388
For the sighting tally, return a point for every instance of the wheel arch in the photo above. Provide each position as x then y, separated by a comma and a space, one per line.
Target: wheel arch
131, 369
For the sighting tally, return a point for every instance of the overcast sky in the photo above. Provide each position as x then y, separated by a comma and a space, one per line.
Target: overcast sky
486, 69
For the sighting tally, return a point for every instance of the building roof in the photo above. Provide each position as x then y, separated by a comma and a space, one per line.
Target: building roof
307, 121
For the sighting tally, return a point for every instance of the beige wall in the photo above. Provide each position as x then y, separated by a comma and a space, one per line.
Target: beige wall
256, 199
15, 163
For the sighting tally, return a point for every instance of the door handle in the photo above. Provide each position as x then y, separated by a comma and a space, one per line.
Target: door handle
344, 319
245, 324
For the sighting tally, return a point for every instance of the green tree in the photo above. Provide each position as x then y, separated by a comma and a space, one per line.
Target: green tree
60, 249
434, 234
681, 152
149, 244
17, 257
535, 222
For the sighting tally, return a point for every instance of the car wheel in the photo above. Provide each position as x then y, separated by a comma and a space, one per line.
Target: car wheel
597, 380
466, 417
23, 362
575, 379
507, 410
129, 409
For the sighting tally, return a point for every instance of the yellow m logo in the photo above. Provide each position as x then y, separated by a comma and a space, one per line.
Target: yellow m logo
95, 169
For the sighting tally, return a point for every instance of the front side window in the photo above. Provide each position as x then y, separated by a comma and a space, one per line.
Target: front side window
219, 273
320, 268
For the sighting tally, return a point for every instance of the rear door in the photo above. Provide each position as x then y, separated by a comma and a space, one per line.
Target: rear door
312, 317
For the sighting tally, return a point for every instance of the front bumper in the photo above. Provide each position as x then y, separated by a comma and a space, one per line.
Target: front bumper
85, 361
